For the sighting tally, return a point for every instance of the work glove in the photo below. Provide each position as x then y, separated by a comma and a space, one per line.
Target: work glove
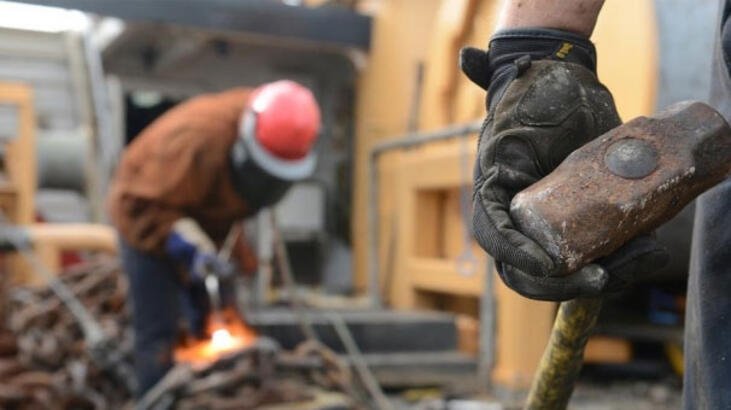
544, 101
189, 245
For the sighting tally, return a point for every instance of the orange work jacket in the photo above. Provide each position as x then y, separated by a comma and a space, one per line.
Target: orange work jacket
179, 166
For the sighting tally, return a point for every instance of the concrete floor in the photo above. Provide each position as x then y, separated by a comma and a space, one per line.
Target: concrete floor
639, 395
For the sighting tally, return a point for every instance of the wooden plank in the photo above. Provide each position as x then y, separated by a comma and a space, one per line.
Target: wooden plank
468, 330
20, 155
9, 201
388, 234
19, 173
438, 165
429, 229
74, 236
605, 349
427, 169
440, 275
454, 222
49, 241
403, 295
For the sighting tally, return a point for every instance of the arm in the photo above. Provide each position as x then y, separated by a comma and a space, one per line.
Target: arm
544, 101
172, 168
577, 16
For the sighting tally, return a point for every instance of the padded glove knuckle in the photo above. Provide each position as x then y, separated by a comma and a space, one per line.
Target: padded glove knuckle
552, 96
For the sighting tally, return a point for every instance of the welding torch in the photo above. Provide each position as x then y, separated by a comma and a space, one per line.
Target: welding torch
213, 275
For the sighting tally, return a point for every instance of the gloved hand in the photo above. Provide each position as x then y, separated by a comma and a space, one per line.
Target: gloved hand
544, 101
189, 245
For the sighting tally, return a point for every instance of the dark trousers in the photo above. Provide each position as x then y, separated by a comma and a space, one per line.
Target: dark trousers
158, 298
707, 383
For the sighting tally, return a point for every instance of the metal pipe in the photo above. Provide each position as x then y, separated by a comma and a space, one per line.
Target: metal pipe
486, 355
285, 268
412, 140
408, 141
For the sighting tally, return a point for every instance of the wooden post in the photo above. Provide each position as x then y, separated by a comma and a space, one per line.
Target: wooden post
18, 182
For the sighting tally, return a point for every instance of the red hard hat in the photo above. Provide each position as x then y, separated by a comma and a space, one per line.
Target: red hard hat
287, 119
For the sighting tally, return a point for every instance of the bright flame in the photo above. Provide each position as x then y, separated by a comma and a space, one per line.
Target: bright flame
228, 334
222, 340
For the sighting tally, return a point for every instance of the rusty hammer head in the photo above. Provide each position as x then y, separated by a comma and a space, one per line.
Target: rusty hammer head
627, 182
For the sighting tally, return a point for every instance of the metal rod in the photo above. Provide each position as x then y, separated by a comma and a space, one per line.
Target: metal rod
486, 357
213, 289
407, 141
306, 325
420, 138
374, 288
264, 249
280, 252
177, 376
365, 374
227, 247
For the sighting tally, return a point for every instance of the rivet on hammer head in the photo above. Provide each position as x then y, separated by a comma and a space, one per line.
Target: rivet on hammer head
631, 158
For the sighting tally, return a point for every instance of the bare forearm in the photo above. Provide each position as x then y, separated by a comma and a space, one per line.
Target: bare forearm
578, 16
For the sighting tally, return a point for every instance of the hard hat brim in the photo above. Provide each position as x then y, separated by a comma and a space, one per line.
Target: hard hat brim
288, 170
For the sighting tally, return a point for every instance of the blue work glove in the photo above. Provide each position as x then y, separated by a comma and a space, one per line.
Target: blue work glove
189, 246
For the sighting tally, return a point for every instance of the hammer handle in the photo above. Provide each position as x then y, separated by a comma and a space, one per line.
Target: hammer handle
564, 355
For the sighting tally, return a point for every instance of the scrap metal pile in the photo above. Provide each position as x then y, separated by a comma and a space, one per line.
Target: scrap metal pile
45, 364
256, 376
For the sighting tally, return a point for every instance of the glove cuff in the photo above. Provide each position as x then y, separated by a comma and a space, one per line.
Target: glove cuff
506, 46
186, 239
513, 47
190, 231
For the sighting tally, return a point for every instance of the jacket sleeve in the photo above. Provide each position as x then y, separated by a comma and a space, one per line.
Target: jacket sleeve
171, 169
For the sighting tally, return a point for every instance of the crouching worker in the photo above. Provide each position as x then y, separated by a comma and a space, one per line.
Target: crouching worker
183, 182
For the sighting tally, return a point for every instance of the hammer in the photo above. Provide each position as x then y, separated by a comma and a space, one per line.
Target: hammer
627, 182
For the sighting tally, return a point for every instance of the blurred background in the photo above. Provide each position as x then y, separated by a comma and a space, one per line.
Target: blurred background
380, 234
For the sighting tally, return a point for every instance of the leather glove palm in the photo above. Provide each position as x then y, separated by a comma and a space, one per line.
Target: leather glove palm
544, 101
